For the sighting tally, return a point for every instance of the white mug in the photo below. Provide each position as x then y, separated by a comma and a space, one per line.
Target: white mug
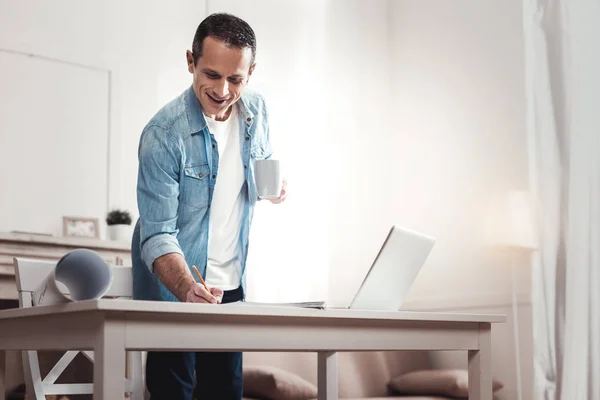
267, 176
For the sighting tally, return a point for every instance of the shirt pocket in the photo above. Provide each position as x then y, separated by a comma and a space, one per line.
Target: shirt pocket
195, 188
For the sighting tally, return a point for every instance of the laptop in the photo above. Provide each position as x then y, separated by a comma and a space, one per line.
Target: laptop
394, 270
390, 277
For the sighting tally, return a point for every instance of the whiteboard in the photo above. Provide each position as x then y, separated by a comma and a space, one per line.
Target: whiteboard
54, 131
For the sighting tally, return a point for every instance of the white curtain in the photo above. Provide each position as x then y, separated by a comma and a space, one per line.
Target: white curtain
563, 92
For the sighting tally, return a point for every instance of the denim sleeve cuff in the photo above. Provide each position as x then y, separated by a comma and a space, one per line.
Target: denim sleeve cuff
158, 246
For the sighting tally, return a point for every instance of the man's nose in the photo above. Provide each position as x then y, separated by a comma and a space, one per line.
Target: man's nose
222, 89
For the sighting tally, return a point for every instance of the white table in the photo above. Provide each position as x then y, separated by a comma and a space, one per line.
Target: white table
109, 327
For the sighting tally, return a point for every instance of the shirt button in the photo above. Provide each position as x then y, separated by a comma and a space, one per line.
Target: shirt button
248, 119
214, 146
245, 166
200, 175
247, 137
214, 176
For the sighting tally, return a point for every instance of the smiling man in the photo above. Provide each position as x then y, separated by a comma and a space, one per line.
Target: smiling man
196, 197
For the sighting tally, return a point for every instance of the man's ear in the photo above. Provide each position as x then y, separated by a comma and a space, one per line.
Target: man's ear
190, 61
251, 71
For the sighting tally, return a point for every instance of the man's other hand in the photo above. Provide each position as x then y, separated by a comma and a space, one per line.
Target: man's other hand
282, 195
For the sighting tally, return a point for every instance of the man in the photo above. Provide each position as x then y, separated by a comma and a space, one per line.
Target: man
196, 197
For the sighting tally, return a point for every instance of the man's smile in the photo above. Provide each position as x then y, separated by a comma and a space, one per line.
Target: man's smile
215, 100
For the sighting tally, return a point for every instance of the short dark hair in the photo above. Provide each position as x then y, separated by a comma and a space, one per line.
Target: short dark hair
234, 31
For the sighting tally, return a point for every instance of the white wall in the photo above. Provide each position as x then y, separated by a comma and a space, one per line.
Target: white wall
50, 130
359, 90
143, 44
50, 30
460, 143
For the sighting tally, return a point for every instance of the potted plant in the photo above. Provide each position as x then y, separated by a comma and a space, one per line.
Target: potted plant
119, 225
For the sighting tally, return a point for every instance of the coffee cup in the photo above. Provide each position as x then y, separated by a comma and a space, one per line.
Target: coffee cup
267, 176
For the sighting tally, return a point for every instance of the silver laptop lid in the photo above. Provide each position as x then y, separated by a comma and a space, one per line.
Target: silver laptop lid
394, 270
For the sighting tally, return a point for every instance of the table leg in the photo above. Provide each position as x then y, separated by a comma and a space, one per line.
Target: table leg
480, 366
134, 360
109, 361
328, 376
2, 374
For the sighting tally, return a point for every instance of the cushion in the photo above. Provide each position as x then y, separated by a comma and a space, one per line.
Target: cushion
442, 382
271, 383
398, 398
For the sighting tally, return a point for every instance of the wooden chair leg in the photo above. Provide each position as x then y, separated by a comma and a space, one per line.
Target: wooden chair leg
33, 379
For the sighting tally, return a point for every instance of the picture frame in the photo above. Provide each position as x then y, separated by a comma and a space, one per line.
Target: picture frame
81, 227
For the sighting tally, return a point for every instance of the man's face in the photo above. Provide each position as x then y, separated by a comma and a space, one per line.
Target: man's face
220, 76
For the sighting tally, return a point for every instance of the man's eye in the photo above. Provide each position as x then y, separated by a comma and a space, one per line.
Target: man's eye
212, 76
235, 81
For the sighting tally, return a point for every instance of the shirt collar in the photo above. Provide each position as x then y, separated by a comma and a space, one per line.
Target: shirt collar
194, 111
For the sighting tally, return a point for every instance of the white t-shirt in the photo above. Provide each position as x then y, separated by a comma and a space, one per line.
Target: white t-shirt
224, 268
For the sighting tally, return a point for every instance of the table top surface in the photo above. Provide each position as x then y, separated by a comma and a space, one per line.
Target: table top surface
174, 310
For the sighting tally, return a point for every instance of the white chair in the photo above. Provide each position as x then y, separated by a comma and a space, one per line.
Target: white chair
29, 274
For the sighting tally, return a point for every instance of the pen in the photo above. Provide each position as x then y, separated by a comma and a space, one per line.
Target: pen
200, 277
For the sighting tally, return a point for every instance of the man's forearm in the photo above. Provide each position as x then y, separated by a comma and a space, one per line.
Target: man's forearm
173, 272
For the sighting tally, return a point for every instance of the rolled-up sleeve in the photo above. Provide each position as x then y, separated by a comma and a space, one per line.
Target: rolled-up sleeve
158, 193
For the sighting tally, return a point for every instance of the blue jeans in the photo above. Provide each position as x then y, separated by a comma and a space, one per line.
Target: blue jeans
170, 375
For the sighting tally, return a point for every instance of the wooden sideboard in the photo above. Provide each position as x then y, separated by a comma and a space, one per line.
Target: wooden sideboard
50, 248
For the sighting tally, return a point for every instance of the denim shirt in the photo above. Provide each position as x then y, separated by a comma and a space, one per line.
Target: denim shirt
178, 169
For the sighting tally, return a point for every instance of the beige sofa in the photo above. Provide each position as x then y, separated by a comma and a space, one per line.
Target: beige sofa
361, 374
